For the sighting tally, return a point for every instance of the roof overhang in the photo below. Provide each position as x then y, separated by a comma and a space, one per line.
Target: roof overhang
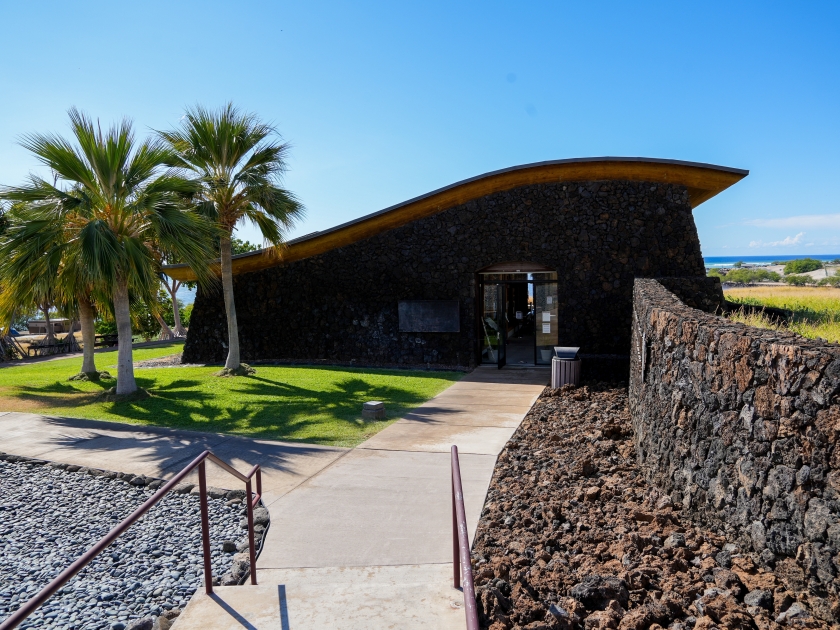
703, 182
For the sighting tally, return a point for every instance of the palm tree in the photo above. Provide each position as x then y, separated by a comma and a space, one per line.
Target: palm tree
32, 270
239, 164
112, 198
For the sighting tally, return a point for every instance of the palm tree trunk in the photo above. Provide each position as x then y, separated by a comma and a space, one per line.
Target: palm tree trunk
230, 308
165, 330
88, 335
125, 365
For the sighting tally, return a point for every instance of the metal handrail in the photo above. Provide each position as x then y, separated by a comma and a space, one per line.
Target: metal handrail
65, 576
461, 563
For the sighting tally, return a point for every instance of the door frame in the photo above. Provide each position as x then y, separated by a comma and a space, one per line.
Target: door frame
501, 358
479, 303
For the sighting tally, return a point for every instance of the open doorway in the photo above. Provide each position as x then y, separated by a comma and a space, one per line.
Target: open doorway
517, 314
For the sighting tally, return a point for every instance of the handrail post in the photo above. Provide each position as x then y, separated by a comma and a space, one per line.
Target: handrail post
252, 552
205, 529
456, 558
470, 609
31, 605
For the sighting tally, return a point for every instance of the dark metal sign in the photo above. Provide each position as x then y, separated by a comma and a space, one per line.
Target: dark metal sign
429, 316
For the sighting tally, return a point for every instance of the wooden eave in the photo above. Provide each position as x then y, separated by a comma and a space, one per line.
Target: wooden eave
703, 182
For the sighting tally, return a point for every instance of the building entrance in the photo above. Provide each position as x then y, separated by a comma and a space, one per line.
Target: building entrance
518, 314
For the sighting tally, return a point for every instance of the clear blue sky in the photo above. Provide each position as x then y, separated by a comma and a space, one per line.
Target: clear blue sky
385, 101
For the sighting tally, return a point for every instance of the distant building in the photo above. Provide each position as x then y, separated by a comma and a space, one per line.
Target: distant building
59, 325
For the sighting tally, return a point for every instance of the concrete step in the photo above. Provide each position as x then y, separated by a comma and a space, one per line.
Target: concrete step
345, 598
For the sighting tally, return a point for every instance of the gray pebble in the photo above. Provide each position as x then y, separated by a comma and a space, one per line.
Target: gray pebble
155, 566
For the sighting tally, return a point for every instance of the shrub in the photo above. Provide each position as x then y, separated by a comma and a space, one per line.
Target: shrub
799, 281
748, 276
831, 281
802, 265
745, 276
186, 315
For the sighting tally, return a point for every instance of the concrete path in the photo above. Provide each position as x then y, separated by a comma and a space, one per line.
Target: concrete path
367, 541
359, 538
160, 452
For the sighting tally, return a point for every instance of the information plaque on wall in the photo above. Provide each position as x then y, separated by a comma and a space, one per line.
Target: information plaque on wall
429, 316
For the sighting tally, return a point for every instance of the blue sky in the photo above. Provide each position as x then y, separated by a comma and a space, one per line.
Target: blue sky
385, 101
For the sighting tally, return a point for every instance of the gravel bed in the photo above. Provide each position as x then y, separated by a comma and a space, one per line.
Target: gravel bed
50, 516
572, 536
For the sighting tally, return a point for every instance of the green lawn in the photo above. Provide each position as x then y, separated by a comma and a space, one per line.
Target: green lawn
308, 404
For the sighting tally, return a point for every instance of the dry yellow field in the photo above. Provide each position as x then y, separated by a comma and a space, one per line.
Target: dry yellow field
816, 309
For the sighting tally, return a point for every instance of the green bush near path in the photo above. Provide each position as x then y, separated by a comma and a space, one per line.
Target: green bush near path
320, 405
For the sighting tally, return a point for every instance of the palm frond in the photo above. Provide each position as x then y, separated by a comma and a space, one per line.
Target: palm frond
239, 166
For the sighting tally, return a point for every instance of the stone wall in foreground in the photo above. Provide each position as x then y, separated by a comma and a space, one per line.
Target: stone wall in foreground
741, 425
341, 306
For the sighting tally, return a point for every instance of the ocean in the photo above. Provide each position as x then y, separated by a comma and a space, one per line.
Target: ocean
728, 261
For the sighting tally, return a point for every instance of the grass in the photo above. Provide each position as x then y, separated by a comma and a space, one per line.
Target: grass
816, 310
319, 405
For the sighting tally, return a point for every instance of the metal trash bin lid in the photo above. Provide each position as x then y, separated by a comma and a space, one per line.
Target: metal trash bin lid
567, 353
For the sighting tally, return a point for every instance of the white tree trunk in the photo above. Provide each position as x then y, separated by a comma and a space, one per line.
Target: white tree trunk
88, 335
179, 329
50, 338
125, 364
165, 330
70, 338
230, 308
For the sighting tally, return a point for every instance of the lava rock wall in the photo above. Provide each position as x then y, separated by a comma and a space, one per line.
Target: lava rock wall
341, 306
740, 425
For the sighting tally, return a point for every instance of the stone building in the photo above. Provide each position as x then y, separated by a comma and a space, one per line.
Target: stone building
494, 269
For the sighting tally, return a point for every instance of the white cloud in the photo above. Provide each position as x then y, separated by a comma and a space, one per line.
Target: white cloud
810, 221
786, 242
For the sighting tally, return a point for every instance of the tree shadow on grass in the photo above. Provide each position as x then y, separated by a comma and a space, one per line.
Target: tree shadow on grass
342, 402
260, 407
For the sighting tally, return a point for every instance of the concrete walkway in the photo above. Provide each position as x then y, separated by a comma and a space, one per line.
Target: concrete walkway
367, 542
359, 538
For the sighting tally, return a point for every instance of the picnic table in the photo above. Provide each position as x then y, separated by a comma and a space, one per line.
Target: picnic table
105, 341
49, 349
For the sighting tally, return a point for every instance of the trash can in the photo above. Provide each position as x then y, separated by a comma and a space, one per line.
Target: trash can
565, 367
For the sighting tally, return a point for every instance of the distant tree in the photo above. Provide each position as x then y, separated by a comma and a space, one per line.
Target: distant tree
738, 264
799, 281
748, 276
715, 273
23, 313
745, 276
238, 246
186, 314
238, 166
802, 265
830, 281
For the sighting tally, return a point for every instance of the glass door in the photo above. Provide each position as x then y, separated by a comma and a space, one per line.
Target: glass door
493, 325
502, 322
545, 302
519, 314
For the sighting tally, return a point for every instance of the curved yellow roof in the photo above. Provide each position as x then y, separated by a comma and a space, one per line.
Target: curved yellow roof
703, 182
